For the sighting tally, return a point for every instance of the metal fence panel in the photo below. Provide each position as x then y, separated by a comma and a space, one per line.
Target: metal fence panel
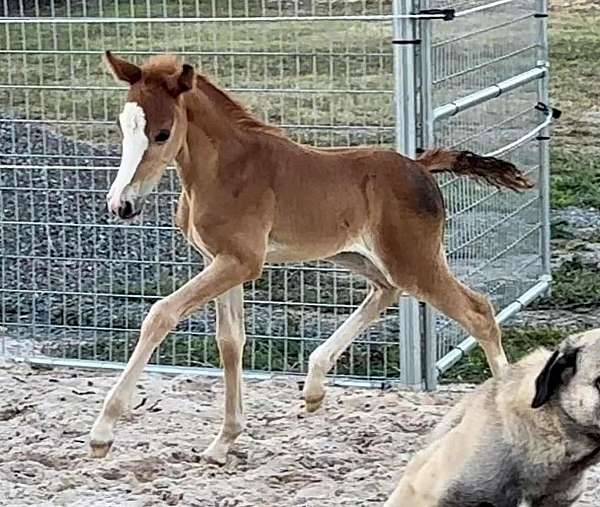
75, 285
495, 238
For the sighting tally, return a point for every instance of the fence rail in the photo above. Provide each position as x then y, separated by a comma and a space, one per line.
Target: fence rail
412, 74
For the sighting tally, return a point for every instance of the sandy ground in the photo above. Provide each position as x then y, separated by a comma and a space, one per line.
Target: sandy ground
350, 453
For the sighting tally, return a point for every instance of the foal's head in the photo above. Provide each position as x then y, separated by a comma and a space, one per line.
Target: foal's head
153, 123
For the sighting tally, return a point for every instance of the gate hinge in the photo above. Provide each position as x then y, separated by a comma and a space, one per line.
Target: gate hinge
406, 41
540, 15
544, 108
446, 14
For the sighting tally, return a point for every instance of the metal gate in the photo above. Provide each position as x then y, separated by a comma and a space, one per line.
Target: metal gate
74, 286
483, 84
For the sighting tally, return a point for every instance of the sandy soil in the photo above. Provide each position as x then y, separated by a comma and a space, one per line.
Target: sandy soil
350, 453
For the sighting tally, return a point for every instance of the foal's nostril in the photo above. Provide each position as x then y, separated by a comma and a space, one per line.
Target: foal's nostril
126, 210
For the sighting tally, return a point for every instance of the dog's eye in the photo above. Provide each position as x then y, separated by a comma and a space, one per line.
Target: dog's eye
597, 383
162, 136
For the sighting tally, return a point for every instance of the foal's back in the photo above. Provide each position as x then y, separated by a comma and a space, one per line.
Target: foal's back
333, 198
367, 172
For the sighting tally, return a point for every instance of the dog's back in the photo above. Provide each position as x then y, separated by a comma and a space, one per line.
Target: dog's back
524, 438
481, 452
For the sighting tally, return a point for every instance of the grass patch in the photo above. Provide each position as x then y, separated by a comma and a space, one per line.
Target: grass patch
575, 285
575, 179
245, 57
518, 342
560, 230
260, 354
574, 49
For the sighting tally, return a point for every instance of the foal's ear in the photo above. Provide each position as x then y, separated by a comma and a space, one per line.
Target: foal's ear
551, 376
122, 70
182, 81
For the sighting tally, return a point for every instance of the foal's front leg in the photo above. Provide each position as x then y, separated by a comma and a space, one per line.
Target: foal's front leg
224, 273
230, 339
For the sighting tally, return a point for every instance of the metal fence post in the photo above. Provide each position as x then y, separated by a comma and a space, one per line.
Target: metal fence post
405, 104
544, 181
425, 140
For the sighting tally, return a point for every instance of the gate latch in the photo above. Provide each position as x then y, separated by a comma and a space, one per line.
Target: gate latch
544, 108
446, 14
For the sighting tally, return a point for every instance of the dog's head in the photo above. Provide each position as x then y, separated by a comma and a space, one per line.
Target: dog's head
571, 378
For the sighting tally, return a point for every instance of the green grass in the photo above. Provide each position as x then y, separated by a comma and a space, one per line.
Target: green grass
575, 285
308, 64
575, 179
290, 356
574, 50
518, 342
297, 55
362, 61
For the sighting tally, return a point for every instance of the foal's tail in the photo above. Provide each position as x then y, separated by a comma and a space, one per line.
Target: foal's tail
490, 169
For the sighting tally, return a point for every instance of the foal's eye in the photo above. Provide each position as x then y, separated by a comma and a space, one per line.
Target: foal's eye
597, 383
162, 136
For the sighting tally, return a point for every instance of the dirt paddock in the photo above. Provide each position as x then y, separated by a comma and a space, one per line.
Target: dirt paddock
351, 452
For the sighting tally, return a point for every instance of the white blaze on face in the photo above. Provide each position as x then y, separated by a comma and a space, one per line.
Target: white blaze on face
135, 143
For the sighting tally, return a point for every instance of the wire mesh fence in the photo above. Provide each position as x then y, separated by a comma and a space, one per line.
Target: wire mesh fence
494, 239
76, 285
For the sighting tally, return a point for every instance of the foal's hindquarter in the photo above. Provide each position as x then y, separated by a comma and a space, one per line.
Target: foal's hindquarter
263, 198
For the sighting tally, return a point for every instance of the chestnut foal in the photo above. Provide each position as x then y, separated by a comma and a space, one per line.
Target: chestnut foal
251, 195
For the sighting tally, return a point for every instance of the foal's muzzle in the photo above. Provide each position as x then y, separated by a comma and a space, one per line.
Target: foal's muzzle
126, 208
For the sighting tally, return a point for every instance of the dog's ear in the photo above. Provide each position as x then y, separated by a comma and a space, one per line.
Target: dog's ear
551, 376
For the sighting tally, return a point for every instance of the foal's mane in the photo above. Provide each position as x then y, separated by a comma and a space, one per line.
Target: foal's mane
165, 65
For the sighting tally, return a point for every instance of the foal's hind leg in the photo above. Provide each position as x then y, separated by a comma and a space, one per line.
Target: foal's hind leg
471, 310
381, 295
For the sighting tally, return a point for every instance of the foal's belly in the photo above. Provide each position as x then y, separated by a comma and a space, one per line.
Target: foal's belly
281, 253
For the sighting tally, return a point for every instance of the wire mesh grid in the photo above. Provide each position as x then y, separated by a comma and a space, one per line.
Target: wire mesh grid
493, 237
74, 284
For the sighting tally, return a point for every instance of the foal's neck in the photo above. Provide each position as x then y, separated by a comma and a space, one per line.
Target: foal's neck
214, 137
226, 113
206, 115
220, 126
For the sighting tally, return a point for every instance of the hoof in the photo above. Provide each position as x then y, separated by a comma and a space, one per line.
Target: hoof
313, 404
214, 458
99, 449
